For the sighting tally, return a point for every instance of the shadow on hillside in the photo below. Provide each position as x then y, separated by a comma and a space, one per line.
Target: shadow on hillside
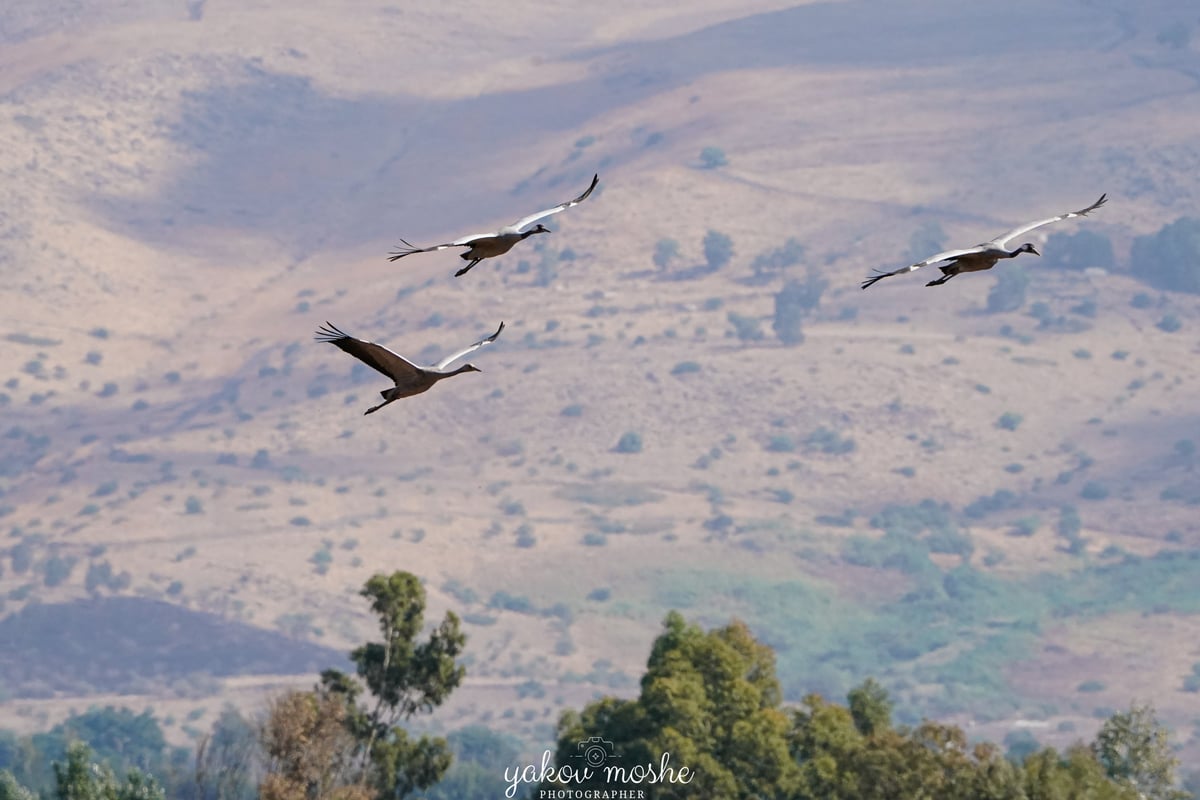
134, 645
279, 157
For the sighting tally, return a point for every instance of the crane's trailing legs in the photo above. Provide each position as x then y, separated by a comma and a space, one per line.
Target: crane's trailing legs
947, 274
467, 268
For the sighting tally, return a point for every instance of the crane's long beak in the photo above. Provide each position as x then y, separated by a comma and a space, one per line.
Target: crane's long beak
1034, 250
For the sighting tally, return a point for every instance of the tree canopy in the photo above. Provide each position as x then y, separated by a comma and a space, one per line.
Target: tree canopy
327, 745
711, 704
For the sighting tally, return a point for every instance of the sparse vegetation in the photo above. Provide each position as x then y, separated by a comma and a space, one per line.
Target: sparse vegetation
830, 442
747, 329
630, 442
768, 263
713, 157
1008, 293
718, 250
1170, 323
1009, 421
1170, 259
1080, 250
666, 251
685, 368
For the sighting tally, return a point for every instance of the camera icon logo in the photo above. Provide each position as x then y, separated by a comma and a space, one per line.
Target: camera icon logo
594, 751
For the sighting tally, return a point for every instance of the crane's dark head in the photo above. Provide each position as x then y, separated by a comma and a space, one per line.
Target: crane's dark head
1028, 248
461, 370
540, 229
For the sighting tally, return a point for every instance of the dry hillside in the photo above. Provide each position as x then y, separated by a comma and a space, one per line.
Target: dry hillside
189, 188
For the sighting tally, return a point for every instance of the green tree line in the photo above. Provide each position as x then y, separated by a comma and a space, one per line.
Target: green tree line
708, 722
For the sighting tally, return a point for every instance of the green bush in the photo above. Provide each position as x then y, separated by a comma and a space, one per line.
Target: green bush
925, 241
781, 443
829, 442
665, 251
630, 442
512, 602
1169, 324
713, 157
1008, 293
1079, 250
718, 249
1000, 500
57, 570
1025, 527
783, 257
1009, 421
608, 495
793, 302
1170, 259
746, 328
321, 560
685, 368
1141, 300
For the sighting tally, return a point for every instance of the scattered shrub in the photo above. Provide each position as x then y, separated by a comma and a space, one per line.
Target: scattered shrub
665, 251
1141, 300
1000, 500
718, 249
1008, 293
781, 443
630, 442
1169, 323
1009, 421
828, 441
1170, 259
745, 328
712, 157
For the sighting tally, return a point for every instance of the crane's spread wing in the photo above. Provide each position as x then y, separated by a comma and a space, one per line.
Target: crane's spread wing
409, 248
376, 356
945, 255
1002, 241
521, 223
448, 360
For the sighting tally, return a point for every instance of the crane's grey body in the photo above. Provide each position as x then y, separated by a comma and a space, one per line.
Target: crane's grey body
409, 378
497, 243
983, 256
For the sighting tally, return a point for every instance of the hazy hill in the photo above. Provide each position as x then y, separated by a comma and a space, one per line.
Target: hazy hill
189, 189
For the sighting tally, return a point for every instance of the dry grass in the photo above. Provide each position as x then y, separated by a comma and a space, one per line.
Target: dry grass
141, 200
